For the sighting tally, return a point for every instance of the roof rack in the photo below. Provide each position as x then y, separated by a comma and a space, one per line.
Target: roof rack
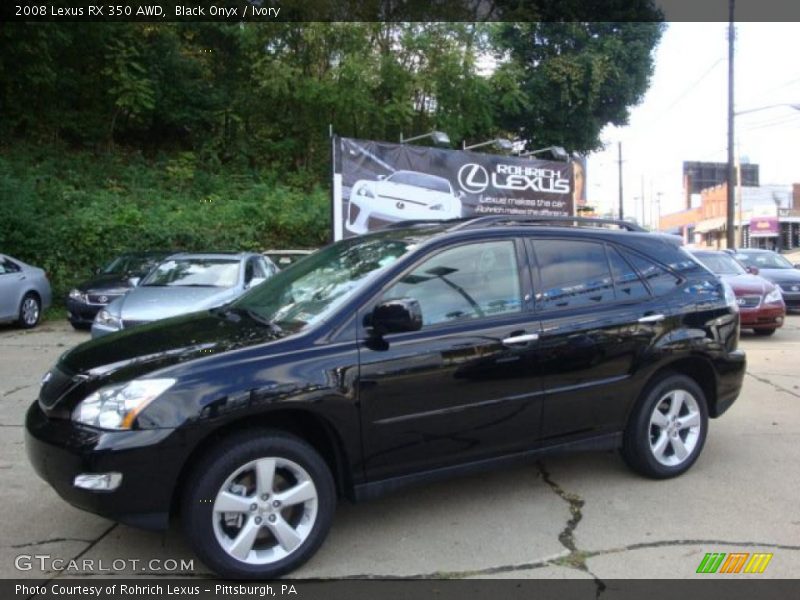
534, 220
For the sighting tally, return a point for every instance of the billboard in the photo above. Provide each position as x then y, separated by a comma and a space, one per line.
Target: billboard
379, 183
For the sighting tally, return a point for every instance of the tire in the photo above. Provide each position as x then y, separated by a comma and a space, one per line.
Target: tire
660, 446
764, 332
30, 311
230, 476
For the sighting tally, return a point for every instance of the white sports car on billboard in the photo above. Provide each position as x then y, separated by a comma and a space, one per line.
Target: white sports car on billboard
402, 196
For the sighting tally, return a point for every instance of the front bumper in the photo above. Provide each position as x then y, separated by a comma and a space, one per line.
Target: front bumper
769, 316
80, 313
59, 450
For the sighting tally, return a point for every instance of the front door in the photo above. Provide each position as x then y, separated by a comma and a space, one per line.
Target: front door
465, 386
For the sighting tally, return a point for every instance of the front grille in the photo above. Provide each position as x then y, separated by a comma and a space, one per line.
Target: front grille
127, 324
102, 298
749, 301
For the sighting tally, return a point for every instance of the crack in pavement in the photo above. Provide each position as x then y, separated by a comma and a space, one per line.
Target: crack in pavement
50, 541
775, 385
576, 559
92, 544
16, 389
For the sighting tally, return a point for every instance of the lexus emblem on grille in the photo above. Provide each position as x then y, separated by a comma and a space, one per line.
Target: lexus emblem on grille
103, 299
796, 288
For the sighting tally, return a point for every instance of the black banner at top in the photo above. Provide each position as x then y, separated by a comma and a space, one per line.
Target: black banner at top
265, 11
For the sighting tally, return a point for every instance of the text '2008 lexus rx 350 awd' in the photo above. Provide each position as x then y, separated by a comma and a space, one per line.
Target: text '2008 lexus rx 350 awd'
422, 351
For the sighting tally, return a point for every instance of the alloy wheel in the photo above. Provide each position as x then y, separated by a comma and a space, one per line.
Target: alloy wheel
675, 425
30, 311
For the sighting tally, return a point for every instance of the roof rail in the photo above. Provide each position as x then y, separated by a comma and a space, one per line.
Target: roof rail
544, 220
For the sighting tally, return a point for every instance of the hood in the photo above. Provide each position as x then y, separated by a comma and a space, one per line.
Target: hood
131, 353
401, 191
152, 303
108, 282
781, 275
748, 284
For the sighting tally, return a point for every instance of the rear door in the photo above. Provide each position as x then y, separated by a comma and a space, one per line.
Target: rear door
465, 387
598, 319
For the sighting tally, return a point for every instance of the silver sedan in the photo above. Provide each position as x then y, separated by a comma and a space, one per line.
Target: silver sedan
184, 283
24, 292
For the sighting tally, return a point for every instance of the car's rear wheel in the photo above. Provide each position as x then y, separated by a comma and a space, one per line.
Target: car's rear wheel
259, 505
764, 332
667, 429
30, 310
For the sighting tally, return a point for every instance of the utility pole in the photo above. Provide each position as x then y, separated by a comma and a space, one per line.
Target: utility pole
729, 221
619, 162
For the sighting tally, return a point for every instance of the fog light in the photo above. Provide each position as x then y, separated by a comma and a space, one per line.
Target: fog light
105, 482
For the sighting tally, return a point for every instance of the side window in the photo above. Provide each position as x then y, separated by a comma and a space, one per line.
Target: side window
259, 269
7, 266
467, 282
626, 281
572, 273
659, 279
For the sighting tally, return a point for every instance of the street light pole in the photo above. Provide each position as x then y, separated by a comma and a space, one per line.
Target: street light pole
730, 216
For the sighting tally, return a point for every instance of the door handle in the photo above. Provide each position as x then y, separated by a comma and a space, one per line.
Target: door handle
652, 318
521, 339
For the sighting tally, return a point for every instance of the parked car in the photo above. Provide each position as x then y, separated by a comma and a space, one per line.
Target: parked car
774, 267
116, 279
419, 352
24, 292
401, 196
761, 306
285, 258
184, 283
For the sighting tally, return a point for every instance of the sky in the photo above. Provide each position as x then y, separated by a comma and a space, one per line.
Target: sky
684, 115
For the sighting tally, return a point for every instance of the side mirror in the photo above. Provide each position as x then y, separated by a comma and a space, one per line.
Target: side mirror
752, 270
395, 316
134, 281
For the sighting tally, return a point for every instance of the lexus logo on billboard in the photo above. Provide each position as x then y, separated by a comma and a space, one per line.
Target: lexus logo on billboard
473, 178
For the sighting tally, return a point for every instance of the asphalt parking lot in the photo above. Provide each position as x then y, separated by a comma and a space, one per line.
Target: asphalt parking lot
579, 516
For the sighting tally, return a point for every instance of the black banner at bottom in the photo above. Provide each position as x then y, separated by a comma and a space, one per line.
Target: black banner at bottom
438, 589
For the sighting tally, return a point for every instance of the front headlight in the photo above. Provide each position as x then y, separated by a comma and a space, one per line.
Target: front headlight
106, 319
116, 406
76, 294
774, 296
730, 297
365, 191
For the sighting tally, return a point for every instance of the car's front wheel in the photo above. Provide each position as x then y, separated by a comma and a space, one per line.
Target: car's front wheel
259, 505
667, 429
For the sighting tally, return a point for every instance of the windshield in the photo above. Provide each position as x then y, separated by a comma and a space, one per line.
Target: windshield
429, 182
721, 264
194, 272
131, 264
311, 289
764, 260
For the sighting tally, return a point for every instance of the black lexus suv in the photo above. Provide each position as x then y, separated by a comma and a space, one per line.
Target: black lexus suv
422, 351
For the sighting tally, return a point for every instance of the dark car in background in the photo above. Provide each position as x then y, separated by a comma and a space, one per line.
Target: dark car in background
761, 306
774, 267
116, 279
403, 356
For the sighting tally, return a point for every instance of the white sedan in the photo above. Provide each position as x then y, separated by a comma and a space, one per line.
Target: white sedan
402, 196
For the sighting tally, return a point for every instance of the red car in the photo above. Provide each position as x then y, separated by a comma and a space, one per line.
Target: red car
760, 301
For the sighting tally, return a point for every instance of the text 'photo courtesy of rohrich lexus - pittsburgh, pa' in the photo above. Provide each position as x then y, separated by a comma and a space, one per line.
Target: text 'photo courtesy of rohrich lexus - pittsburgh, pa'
425, 350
